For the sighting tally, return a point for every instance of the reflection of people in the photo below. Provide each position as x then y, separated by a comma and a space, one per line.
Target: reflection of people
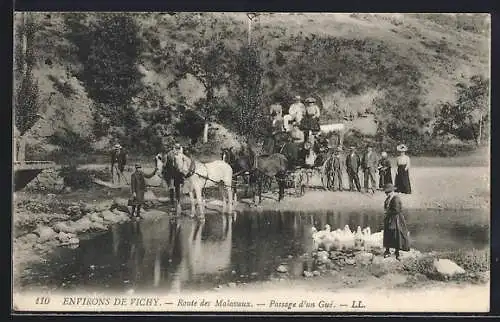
402, 180
396, 233
385, 175
370, 163
352, 164
138, 189
118, 161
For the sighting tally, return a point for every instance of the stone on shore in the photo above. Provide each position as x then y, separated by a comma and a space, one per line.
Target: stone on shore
110, 217
447, 268
83, 224
44, 233
153, 214
64, 226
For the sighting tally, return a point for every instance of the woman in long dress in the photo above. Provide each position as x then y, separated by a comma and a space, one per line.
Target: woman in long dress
396, 233
402, 180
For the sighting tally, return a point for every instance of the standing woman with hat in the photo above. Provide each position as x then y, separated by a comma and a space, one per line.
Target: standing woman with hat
396, 233
402, 180
138, 189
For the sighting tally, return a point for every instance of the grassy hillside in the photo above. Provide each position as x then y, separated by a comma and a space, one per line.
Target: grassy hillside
362, 58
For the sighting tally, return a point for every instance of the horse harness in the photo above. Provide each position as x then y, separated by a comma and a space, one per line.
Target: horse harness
192, 171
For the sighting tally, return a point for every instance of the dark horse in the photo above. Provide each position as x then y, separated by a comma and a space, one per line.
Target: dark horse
169, 173
258, 169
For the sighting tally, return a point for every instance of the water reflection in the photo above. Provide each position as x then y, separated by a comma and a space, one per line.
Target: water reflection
173, 255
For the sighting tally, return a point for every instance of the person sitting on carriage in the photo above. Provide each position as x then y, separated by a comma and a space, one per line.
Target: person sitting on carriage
297, 110
310, 122
297, 144
287, 122
276, 110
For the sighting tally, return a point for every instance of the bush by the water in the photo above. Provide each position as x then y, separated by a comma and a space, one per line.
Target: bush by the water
76, 178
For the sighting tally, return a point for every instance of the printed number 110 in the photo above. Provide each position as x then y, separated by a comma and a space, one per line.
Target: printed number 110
42, 300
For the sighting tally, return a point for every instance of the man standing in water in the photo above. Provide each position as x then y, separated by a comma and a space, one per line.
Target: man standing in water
396, 234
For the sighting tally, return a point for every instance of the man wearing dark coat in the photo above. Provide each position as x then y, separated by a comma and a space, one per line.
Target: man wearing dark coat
369, 164
118, 161
138, 189
353, 163
384, 170
337, 165
396, 234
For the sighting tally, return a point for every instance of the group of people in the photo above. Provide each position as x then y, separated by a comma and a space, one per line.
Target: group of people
301, 121
370, 163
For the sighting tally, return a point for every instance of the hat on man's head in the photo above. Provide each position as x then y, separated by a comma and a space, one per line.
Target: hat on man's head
384, 154
389, 187
117, 146
310, 100
402, 148
138, 166
297, 98
177, 146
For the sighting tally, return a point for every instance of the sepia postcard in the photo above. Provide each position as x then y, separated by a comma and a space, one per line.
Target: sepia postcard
251, 162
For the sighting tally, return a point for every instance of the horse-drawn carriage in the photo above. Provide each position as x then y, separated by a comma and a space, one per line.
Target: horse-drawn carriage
292, 164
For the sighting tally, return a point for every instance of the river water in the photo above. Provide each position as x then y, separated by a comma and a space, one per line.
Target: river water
184, 254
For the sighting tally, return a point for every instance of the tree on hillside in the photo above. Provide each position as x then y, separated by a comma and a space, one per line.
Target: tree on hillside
26, 99
109, 50
249, 92
209, 61
467, 116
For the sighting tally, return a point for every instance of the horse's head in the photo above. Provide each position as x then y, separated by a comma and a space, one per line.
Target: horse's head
182, 162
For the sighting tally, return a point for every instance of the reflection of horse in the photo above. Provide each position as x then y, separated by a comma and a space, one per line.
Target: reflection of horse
210, 256
260, 171
198, 175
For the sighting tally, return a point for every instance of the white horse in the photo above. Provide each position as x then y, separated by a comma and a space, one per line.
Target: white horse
199, 175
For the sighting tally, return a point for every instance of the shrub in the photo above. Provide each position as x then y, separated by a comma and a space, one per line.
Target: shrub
76, 178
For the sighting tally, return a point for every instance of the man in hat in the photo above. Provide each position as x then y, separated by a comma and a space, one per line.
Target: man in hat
396, 233
276, 110
337, 166
118, 161
310, 122
138, 189
369, 164
297, 110
384, 170
353, 163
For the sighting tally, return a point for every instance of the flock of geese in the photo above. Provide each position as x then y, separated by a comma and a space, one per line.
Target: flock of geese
345, 239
